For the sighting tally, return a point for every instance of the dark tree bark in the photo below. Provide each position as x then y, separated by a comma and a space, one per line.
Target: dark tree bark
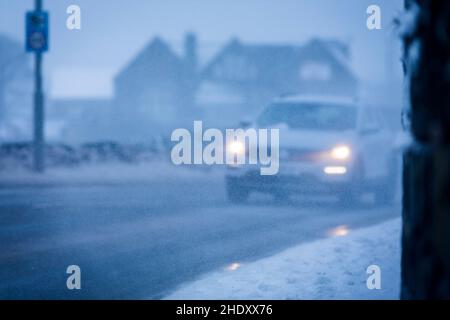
426, 173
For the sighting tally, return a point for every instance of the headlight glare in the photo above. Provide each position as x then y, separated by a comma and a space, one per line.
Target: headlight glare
340, 152
236, 147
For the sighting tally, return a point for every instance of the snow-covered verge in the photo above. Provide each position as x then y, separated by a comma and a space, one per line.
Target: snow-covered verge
332, 268
111, 173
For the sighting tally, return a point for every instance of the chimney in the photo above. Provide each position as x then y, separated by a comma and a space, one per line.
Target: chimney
190, 51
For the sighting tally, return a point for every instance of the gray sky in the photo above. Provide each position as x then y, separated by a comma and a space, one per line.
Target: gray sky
84, 62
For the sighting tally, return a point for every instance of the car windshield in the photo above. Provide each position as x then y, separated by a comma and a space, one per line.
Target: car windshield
309, 116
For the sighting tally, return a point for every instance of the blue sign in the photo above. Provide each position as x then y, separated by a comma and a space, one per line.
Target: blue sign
37, 31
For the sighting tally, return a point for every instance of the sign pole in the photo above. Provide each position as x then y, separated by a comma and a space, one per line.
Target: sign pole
39, 143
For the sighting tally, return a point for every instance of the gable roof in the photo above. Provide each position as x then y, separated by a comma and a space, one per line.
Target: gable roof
271, 58
156, 61
275, 61
334, 51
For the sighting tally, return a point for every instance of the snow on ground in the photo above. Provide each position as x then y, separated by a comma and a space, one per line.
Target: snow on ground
331, 268
112, 173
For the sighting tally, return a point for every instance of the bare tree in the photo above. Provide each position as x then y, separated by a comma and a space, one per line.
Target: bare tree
426, 175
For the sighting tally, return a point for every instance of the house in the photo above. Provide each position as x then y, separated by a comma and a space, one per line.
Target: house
16, 91
160, 90
243, 78
156, 89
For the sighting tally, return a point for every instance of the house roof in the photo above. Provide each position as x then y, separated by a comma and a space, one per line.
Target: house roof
157, 59
261, 56
259, 64
275, 59
336, 51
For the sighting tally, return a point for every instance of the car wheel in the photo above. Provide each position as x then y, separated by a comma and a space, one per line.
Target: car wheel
351, 194
385, 191
236, 193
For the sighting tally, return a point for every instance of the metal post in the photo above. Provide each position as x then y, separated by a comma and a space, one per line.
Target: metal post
39, 143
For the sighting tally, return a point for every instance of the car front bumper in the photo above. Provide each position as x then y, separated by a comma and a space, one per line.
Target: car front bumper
292, 178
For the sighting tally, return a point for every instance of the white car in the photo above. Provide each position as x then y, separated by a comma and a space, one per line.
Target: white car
327, 146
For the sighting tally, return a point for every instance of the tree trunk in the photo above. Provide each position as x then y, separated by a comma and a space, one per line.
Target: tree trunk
426, 173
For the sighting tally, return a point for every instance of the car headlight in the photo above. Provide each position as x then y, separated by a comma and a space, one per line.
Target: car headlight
236, 147
340, 152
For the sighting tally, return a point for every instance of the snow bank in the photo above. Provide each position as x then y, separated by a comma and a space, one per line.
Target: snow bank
332, 268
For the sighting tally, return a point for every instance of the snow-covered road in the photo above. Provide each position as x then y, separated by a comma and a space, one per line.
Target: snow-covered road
135, 236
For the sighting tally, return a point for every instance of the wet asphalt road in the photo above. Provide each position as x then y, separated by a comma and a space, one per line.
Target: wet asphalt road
143, 240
